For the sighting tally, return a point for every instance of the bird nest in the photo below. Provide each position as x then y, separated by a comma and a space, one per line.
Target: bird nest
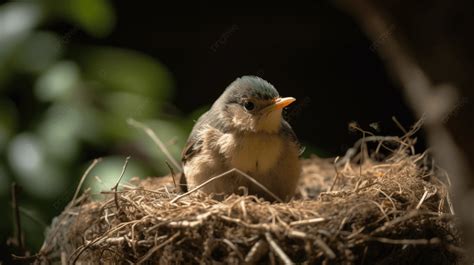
357, 210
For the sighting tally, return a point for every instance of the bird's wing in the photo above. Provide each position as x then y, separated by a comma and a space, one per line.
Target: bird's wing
194, 144
288, 131
191, 148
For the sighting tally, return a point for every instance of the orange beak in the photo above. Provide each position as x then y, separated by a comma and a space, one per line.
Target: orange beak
280, 103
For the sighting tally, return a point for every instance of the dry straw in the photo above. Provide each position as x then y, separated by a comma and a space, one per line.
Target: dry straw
367, 210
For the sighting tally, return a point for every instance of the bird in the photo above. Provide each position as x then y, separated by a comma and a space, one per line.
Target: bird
244, 129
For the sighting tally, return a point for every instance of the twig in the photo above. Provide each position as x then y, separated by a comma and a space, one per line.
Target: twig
353, 150
172, 174
200, 219
399, 125
265, 227
114, 188
233, 247
380, 208
396, 220
223, 175
450, 204
261, 227
156, 140
422, 200
260, 185
337, 174
244, 209
278, 251
308, 221
155, 248
78, 252
256, 252
16, 213
88, 170
326, 249
422, 241
387, 196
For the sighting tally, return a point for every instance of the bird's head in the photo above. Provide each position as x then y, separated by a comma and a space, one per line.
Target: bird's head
251, 104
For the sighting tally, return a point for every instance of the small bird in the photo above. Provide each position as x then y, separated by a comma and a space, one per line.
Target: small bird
244, 129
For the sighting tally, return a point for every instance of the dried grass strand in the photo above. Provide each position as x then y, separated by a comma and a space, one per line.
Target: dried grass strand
224, 175
156, 248
277, 250
372, 203
81, 182
156, 140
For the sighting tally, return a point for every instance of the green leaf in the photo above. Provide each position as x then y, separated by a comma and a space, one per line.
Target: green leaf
127, 71
37, 52
96, 17
58, 82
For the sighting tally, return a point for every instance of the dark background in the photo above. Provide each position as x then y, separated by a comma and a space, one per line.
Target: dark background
309, 50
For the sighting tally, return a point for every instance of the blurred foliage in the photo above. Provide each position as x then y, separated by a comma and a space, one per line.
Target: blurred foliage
64, 104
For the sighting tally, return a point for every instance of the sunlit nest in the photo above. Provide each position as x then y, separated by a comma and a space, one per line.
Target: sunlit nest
359, 209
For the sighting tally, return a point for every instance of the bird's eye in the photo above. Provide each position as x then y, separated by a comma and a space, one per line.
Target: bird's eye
248, 105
